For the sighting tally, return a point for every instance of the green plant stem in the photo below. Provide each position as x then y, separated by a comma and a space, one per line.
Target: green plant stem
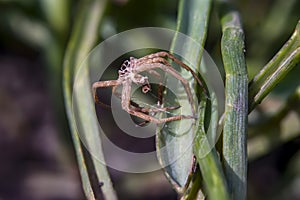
83, 38
284, 61
236, 108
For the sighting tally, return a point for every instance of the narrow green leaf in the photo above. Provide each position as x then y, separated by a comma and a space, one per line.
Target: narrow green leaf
194, 22
284, 61
82, 40
193, 18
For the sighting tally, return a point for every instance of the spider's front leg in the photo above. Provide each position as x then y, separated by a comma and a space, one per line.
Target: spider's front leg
98, 84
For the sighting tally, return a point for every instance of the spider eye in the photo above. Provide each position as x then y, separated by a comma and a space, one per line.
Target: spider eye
125, 64
123, 67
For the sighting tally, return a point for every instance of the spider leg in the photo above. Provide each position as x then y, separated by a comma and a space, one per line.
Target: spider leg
151, 111
125, 101
140, 109
119, 95
114, 91
176, 60
161, 87
154, 60
159, 102
114, 86
112, 83
154, 110
161, 54
155, 73
156, 120
174, 73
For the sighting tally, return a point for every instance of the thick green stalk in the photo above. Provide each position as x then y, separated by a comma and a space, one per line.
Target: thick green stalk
83, 38
285, 60
236, 108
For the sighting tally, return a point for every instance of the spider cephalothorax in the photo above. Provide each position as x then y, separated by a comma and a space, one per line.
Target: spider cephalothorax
127, 71
130, 72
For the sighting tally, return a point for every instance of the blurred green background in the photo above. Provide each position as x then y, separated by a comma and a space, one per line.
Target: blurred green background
36, 152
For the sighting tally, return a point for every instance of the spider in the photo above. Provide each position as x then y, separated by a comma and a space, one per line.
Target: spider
129, 73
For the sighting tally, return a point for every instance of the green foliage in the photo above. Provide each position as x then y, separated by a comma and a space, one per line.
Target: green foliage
66, 31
